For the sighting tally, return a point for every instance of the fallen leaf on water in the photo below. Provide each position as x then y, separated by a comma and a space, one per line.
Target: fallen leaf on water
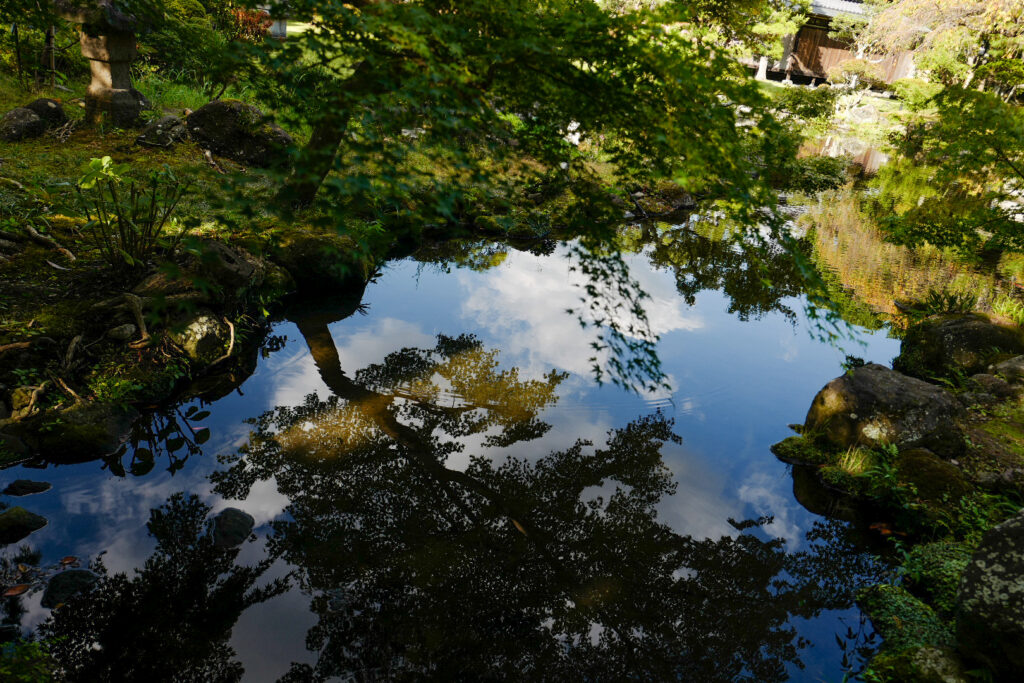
23, 568
520, 527
16, 590
70, 559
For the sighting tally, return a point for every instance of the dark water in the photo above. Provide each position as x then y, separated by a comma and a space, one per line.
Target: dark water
442, 490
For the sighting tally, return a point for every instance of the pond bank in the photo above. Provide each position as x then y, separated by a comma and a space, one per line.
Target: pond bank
931, 456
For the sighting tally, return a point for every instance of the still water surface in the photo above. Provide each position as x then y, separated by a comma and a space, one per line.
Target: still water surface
450, 493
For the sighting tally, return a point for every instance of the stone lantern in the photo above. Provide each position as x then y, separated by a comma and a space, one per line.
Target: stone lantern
108, 42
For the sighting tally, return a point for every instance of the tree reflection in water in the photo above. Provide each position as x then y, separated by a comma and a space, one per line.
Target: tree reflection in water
512, 570
169, 622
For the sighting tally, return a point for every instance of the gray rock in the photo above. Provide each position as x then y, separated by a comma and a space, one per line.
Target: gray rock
21, 124
945, 344
26, 487
17, 523
49, 111
240, 132
873, 406
977, 398
996, 386
990, 606
203, 337
163, 132
1012, 370
67, 584
232, 270
231, 527
122, 332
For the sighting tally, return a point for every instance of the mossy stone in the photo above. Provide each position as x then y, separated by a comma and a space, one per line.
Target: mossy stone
17, 523
936, 480
800, 450
67, 584
873, 406
919, 665
26, 487
945, 345
903, 620
240, 132
935, 571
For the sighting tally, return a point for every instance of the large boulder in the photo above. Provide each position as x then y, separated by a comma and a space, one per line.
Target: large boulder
165, 131
21, 124
946, 344
49, 111
990, 607
874, 406
240, 132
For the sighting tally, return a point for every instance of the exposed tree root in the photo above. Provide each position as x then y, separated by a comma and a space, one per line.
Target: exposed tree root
48, 241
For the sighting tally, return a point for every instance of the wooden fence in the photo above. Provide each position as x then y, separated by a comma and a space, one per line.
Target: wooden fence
815, 53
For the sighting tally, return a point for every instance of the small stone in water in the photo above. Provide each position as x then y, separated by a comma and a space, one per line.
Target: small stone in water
26, 487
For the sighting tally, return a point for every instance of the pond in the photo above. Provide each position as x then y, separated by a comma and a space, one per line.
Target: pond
441, 488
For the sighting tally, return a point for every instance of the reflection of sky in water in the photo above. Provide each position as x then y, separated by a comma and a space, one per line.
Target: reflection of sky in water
736, 385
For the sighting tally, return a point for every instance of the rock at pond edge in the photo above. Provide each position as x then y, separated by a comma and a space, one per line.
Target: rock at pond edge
17, 523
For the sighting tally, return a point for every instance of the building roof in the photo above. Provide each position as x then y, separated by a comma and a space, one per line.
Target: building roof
831, 8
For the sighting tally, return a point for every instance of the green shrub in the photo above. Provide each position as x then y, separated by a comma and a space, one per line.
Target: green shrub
815, 174
25, 661
808, 103
856, 72
915, 93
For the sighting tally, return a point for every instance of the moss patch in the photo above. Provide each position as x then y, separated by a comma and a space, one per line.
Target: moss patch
903, 620
935, 569
802, 450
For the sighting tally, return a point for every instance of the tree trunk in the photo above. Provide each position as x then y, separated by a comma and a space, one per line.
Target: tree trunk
318, 157
319, 153
47, 59
17, 54
762, 69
